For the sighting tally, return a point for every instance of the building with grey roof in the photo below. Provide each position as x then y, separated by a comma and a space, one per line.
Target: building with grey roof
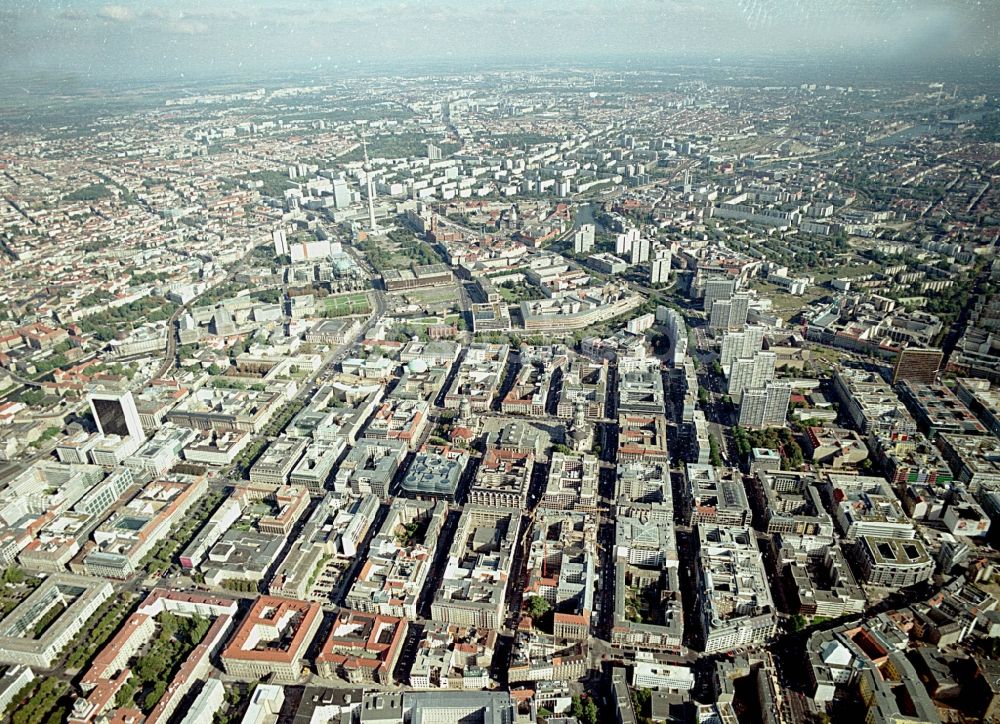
473, 587
893, 562
734, 595
584, 380
641, 393
399, 559
28, 636
643, 482
369, 467
319, 559
241, 555
434, 475
717, 496
790, 502
648, 611
277, 461
314, 468
438, 707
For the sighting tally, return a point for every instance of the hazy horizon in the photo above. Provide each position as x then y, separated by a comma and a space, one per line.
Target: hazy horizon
98, 42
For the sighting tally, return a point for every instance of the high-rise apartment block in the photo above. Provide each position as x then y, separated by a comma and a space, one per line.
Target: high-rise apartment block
765, 407
917, 365
659, 265
751, 373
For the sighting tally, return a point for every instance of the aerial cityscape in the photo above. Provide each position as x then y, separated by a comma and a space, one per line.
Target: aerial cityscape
554, 392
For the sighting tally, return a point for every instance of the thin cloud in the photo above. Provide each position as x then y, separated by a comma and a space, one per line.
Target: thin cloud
117, 13
185, 26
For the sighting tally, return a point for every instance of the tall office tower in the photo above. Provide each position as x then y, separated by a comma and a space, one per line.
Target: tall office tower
280, 240
766, 407
341, 193
640, 251
687, 181
716, 289
736, 345
917, 365
659, 266
115, 414
751, 373
433, 152
583, 238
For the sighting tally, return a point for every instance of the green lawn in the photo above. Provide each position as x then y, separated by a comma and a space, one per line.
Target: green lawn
784, 303
175, 638
844, 272
181, 534
344, 305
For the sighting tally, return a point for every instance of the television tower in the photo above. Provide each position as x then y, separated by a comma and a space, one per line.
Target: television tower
373, 227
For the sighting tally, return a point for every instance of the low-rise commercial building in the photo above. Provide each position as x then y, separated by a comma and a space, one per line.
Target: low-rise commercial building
319, 559
642, 438
791, 503
427, 275
718, 496
272, 639
572, 482
473, 587
648, 611
478, 377
734, 596
893, 562
277, 461
399, 559
122, 541
937, 409
31, 636
561, 567
587, 381
435, 474
369, 467
399, 419
539, 657
224, 410
315, 467
362, 647
453, 657
502, 479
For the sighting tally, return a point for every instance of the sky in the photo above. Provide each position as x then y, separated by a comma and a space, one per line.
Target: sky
181, 39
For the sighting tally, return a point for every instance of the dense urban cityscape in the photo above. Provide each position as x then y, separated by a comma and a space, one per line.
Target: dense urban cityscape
561, 395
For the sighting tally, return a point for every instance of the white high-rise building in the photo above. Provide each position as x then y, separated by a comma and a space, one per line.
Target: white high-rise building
370, 186
342, 196
678, 335
115, 414
729, 313
716, 289
765, 407
639, 251
750, 373
736, 345
623, 242
280, 239
583, 239
659, 265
